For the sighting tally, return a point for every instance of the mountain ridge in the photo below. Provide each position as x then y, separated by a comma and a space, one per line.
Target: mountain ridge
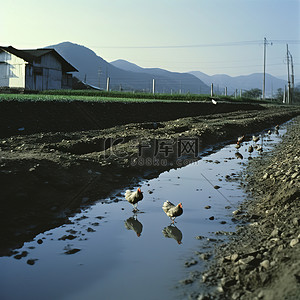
244, 82
95, 70
125, 75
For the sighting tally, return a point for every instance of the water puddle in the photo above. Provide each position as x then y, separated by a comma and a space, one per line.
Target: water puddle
108, 252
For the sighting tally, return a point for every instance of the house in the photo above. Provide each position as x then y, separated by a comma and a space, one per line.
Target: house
34, 69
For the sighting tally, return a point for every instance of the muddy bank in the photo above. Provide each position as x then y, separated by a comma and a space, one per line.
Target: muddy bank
48, 176
262, 259
29, 117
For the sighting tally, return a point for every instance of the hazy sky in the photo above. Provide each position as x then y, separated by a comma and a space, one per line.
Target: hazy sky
212, 36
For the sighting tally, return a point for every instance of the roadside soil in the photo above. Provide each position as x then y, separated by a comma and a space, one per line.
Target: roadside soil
261, 261
48, 176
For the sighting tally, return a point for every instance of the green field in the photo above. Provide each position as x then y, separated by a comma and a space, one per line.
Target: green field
103, 96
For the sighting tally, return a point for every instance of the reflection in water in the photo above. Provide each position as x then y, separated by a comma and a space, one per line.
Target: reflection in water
133, 223
239, 155
250, 149
173, 232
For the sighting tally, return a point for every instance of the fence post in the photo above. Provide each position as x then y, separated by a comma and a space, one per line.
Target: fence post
153, 86
212, 90
107, 84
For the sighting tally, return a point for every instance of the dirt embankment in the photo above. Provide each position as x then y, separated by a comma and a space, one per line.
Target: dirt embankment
29, 117
47, 176
262, 259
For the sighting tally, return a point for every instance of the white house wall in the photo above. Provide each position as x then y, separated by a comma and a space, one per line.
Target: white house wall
12, 70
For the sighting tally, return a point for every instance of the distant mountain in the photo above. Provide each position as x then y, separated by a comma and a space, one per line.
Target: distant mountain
185, 81
245, 82
124, 75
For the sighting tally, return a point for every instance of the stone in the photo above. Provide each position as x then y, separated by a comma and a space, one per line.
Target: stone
234, 257
31, 262
190, 263
266, 175
186, 281
227, 282
205, 256
265, 264
294, 242
247, 260
72, 251
275, 232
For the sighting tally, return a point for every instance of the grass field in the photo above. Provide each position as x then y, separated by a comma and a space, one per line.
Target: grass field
103, 96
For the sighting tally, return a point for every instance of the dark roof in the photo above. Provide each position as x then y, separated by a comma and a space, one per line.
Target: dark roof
30, 55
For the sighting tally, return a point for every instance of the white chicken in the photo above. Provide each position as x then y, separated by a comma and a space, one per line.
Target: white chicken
241, 139
134, 197
255, 139
171, 210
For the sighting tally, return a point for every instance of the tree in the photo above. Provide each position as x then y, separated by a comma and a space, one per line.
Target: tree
253, 93
296, 94
279, 94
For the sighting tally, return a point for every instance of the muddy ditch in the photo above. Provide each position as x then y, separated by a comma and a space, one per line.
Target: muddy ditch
44, 175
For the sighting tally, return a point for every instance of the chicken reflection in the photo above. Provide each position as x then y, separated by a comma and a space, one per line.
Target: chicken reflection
238, 155
173, 232
134, 224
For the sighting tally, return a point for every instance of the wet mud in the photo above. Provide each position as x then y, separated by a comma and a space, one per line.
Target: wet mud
49, 176
261, 259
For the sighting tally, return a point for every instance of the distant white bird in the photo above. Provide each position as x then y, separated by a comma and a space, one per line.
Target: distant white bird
241, 139
214, 101
255, 139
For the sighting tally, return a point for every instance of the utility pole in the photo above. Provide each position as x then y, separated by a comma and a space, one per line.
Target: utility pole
153, 86
264, 81
99, 72
265, 56
107, 84
292, 77
288, 70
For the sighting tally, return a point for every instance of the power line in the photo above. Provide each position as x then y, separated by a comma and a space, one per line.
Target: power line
226, 44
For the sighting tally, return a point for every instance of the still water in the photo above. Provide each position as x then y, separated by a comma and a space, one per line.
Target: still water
108, 252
